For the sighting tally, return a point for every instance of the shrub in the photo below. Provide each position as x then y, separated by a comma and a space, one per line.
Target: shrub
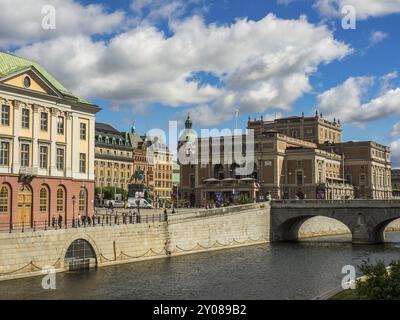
379, 283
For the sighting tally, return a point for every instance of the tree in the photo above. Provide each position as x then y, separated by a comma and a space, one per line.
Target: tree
109, 193
379, 283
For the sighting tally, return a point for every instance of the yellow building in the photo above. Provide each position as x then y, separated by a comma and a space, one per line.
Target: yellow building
114, 157
46, 145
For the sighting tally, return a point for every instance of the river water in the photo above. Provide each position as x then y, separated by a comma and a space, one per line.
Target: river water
300, 270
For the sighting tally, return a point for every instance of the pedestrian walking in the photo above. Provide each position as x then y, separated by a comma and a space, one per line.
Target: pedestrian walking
53, 221
79, 220
60, 219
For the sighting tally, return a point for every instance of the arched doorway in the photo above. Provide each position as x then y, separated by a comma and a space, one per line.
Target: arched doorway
80, 256
25, 205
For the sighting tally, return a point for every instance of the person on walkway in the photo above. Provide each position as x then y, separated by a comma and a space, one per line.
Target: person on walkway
54, 221
79, 219
89, 220
60, 219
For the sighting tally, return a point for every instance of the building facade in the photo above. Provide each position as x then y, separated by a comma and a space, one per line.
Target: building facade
113, 157
296, 157
396, 183
46, 146
161, 158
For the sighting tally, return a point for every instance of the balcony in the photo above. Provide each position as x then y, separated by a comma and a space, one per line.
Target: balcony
231, 183
28, 171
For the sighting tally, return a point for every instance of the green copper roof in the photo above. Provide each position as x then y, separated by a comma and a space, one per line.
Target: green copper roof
10, 64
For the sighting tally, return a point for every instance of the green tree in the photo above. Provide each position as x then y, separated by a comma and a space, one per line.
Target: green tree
379, 283
109, 193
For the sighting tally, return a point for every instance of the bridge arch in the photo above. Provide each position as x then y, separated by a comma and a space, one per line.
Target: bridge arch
289, 230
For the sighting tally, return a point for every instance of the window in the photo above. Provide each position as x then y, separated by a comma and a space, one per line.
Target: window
60, 125
82, 163
25, 118
82, 200
44, 116
4, 199
60, 200
60, 158
5, 115
24, 155
83, 131
43, 200
4, 153
299, 178
43, 157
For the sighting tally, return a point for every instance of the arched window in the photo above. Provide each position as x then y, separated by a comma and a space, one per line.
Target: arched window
4, 199
60, 200
82, 200
43, 200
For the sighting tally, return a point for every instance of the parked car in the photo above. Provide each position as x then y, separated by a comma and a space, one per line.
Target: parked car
133, 203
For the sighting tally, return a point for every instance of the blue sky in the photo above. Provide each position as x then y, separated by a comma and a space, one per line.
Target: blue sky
154, 61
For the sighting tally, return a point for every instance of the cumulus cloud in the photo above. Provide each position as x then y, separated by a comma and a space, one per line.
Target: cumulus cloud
260, 64
346, 101
364, 8
21, 20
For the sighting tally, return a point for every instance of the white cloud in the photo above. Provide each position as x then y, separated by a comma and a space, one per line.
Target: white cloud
364, 8
345, 101
261, 65
152, 11
396, 130
21, 20
395, 153
376, 37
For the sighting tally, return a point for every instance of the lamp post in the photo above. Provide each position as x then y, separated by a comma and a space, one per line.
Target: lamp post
73, 211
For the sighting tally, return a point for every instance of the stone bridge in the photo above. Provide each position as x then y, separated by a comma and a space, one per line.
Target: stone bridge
366, 219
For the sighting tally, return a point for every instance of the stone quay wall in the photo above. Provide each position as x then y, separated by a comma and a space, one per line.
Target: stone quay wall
24, 254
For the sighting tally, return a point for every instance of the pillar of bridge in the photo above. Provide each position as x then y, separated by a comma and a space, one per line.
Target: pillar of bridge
364, 233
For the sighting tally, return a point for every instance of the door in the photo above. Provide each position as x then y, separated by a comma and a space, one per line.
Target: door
25, 205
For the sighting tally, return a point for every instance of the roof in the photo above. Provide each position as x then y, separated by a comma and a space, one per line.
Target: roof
105, 127
10, 64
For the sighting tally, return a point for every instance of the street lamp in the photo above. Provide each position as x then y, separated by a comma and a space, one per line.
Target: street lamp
73, 211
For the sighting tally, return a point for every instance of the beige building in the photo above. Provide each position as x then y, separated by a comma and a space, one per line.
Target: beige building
367, 168
316, 166
161, 159
396, 183
114, 157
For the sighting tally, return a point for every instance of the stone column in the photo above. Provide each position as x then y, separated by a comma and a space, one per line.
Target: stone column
17, 122
75, 145
35, 136
68, 139
53, 138
91, 137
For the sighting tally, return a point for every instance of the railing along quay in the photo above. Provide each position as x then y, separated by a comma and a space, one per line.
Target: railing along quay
83, 222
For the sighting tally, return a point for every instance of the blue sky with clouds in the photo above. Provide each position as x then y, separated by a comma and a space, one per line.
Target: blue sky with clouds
157, 60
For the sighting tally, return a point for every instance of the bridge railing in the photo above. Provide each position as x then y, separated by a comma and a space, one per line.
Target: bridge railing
83, 222
336, 202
